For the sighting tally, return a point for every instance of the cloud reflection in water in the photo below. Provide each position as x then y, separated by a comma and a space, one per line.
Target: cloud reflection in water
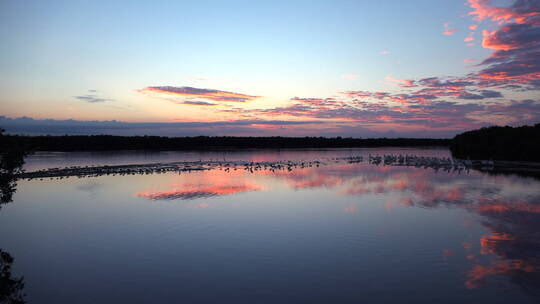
198, 191
507, 206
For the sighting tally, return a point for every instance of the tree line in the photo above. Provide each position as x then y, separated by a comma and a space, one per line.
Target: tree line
499, 143
159, 143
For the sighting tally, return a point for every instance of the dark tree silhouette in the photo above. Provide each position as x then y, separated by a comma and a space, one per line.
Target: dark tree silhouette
11, 289
11, 161
158, 143
499, 143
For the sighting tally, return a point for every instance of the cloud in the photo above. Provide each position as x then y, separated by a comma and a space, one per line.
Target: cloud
199, 103
512, 36
491, 94
410, 111
427, 90
205, 94
473, 27
356, 114
519, 12
483, 94
315, 101
516, 60
438, 82
447, 30
30, 126
470, 37
384, 52
438, 115
515, 112
92, 98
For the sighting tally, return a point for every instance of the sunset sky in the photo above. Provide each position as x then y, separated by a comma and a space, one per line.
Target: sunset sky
422, 68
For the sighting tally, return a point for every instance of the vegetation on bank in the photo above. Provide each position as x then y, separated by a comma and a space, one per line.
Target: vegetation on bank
158, 143
11, 161
496, 143
499, 143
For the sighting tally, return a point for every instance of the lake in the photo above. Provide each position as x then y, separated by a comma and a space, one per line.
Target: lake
340, 232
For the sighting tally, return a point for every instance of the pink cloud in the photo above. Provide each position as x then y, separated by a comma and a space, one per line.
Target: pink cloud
447, 30
470, 37
519, 12
516, 43
206, 94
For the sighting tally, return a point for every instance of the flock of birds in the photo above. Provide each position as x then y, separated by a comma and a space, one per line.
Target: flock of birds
137, 169
435, 163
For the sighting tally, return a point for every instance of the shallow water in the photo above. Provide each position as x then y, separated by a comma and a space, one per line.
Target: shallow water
44, 160
340, 233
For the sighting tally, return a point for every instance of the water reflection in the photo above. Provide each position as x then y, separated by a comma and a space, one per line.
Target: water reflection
187, 192
346, 229
202, 185
508, 206
514, 239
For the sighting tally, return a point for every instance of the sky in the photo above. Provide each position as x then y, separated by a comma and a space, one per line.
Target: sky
419, 68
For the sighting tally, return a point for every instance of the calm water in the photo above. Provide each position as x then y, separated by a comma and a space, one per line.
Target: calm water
340, 233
